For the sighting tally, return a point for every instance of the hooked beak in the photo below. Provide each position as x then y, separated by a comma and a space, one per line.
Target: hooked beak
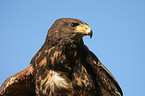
84, 30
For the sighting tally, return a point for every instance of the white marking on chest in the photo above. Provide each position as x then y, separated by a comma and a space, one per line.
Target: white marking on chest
55, 78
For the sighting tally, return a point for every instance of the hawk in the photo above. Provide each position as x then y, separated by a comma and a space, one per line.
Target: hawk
63, 66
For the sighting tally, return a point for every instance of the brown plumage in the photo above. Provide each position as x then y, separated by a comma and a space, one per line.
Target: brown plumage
63, 66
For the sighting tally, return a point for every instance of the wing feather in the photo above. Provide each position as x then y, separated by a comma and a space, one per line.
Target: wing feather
19, 84
104, 79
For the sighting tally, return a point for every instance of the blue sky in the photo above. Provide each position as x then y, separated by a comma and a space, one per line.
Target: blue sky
118, 40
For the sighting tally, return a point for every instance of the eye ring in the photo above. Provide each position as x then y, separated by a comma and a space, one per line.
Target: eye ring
73, 25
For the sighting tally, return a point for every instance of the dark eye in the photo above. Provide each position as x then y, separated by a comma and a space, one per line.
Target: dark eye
73, 25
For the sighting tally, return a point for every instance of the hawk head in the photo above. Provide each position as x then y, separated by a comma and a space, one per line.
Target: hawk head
70, 29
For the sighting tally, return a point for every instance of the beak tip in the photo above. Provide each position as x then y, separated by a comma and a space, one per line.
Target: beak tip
91, 34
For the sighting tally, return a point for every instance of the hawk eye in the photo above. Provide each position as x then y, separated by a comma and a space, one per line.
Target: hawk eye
73, 25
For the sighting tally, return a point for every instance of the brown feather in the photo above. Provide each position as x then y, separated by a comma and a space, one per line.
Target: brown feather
20, 84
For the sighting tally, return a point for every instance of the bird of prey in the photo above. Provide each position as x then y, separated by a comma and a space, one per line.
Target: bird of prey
63, 66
